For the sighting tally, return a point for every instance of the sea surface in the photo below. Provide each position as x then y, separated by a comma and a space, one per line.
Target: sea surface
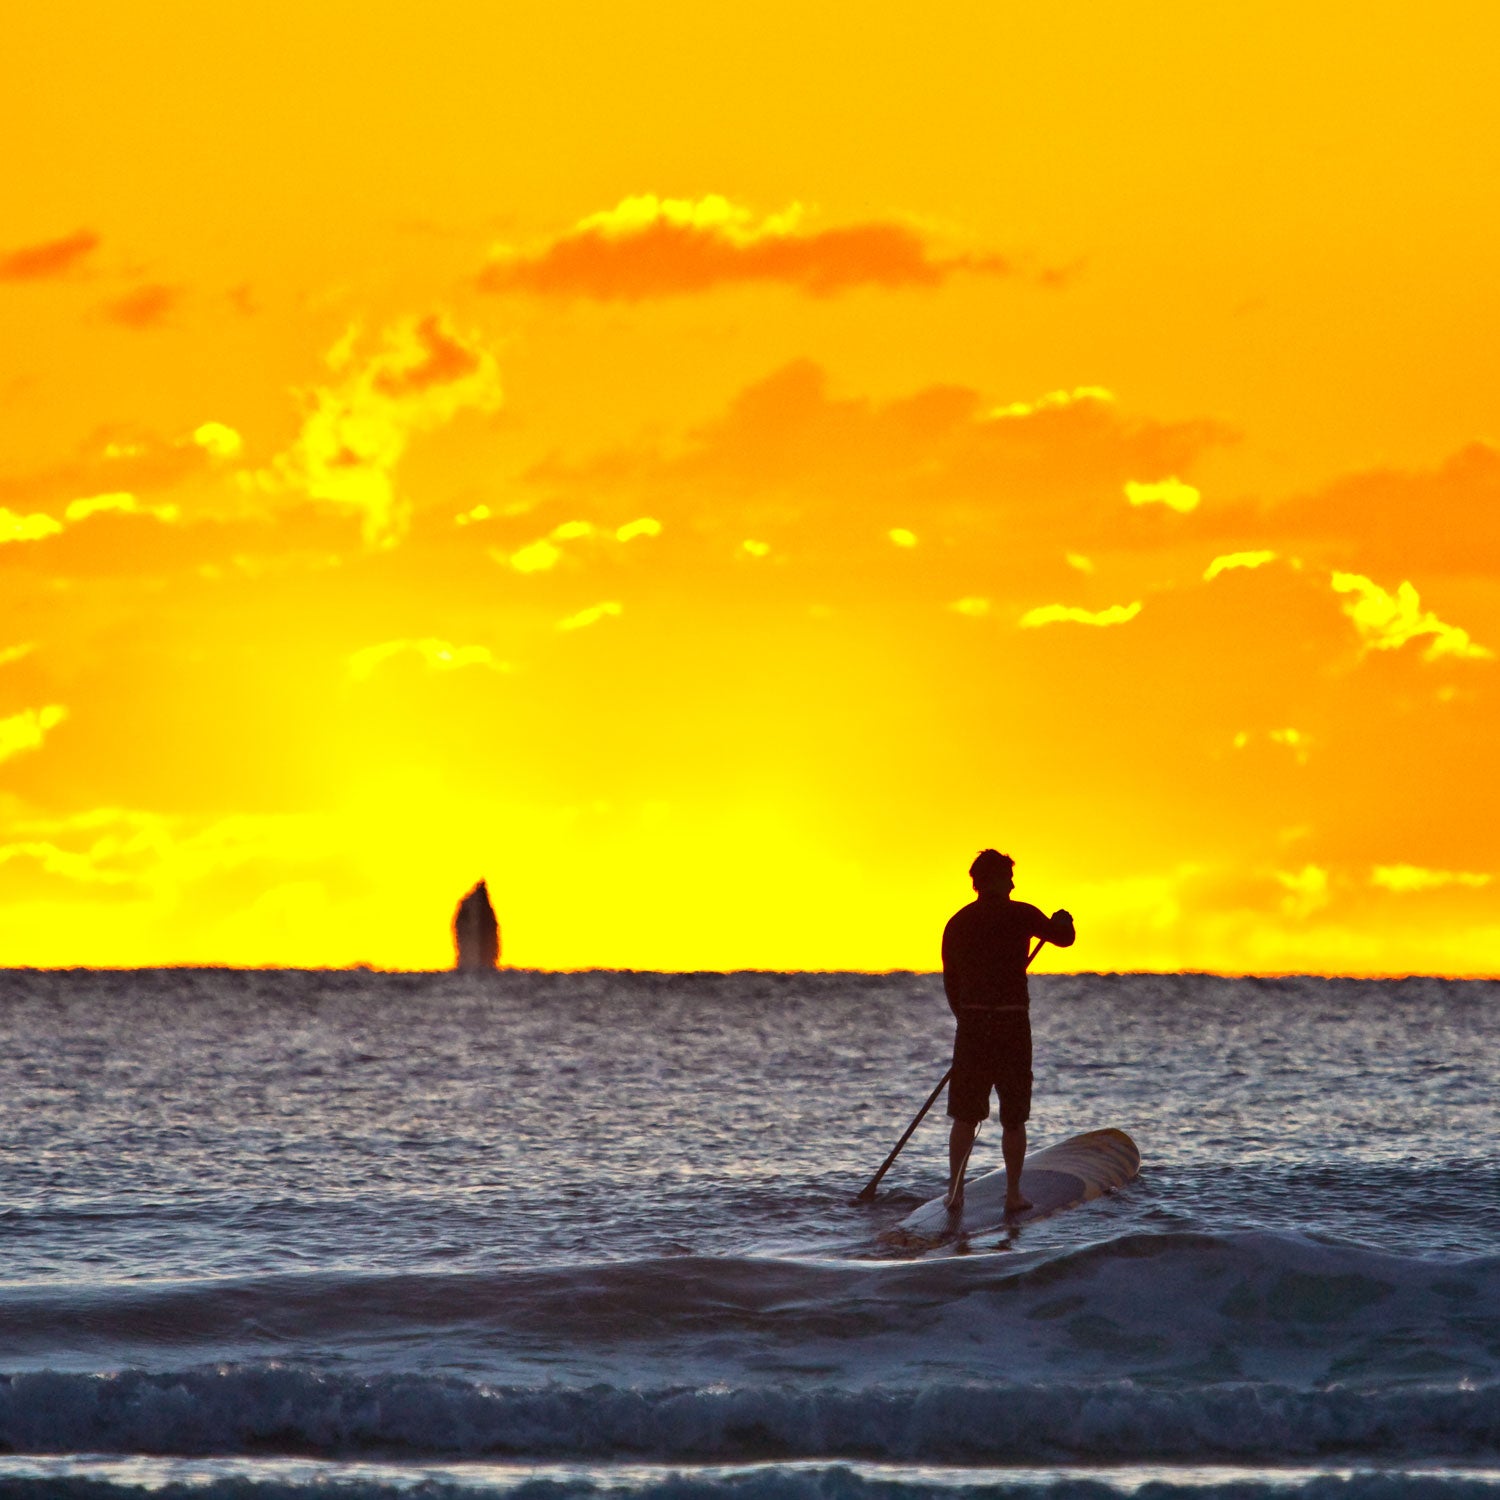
275, 1234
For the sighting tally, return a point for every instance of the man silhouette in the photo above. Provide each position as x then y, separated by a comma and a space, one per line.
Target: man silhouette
985, 950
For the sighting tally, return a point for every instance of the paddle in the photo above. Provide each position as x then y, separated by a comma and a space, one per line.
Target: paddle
867, 1192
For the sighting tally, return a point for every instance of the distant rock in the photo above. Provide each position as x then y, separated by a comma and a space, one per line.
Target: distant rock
476, 933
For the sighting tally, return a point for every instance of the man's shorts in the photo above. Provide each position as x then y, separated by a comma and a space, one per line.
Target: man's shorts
992, 1052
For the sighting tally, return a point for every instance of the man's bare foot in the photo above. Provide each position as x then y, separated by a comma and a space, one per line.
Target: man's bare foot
1017, 1204
953, 1200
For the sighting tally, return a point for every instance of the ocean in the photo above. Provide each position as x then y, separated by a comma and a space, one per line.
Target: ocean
282, 1234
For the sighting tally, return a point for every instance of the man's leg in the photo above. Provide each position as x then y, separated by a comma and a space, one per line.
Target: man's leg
1015, 1110
1013, 1148
960, 1142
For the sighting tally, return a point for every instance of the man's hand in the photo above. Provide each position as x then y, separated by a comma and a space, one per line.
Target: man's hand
1064, 919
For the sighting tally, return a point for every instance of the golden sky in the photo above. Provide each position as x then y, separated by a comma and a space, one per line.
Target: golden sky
710, 469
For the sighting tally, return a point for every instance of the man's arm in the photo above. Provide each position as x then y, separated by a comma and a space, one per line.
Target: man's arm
950, 971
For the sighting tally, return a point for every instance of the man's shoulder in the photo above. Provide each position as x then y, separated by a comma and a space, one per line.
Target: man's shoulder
962, 917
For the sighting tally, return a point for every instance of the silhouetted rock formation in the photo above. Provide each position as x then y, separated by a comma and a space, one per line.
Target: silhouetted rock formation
476, 933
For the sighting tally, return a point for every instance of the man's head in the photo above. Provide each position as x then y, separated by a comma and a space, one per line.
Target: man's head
993, 871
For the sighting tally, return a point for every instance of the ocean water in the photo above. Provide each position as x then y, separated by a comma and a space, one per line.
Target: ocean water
284, 1234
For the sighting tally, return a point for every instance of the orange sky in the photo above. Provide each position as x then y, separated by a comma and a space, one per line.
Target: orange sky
710, 472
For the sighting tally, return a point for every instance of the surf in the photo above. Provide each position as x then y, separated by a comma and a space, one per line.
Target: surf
1165, 1308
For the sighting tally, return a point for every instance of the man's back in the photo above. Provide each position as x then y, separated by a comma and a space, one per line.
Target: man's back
985, 947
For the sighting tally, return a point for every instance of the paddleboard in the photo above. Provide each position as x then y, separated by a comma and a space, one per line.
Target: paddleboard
1073, 1171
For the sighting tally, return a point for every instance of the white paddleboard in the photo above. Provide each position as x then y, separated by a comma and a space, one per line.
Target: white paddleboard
1073, 1171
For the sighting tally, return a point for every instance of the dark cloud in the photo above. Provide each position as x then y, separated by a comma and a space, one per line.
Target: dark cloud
665, 257
51, 258
146, 306
442, 361
1440, 520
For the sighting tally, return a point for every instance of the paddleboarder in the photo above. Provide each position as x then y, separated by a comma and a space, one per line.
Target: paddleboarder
985, 953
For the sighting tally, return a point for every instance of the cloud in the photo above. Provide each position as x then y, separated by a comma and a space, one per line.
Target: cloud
1440, 520
655, 247
1386, 622
50, 258
67, 864
1052, 401
120, 534
32, 528
592, 615
1171, 492
121, 502
1407, 878
1059, 614
1295, 740
112, 461
427, 357
1307, 891
787, 443
28, 729
145, 307
535, 557
218, 440
436, 655
644, 526
1231, 560
358, 428
971, 606
543, 554
901, 537
9, 654
141, 854
37, 526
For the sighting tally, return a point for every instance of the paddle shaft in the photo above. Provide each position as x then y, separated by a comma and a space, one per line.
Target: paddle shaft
868, 1190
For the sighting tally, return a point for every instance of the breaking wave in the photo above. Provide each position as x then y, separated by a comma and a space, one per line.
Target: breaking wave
277, 1410
767, 1482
